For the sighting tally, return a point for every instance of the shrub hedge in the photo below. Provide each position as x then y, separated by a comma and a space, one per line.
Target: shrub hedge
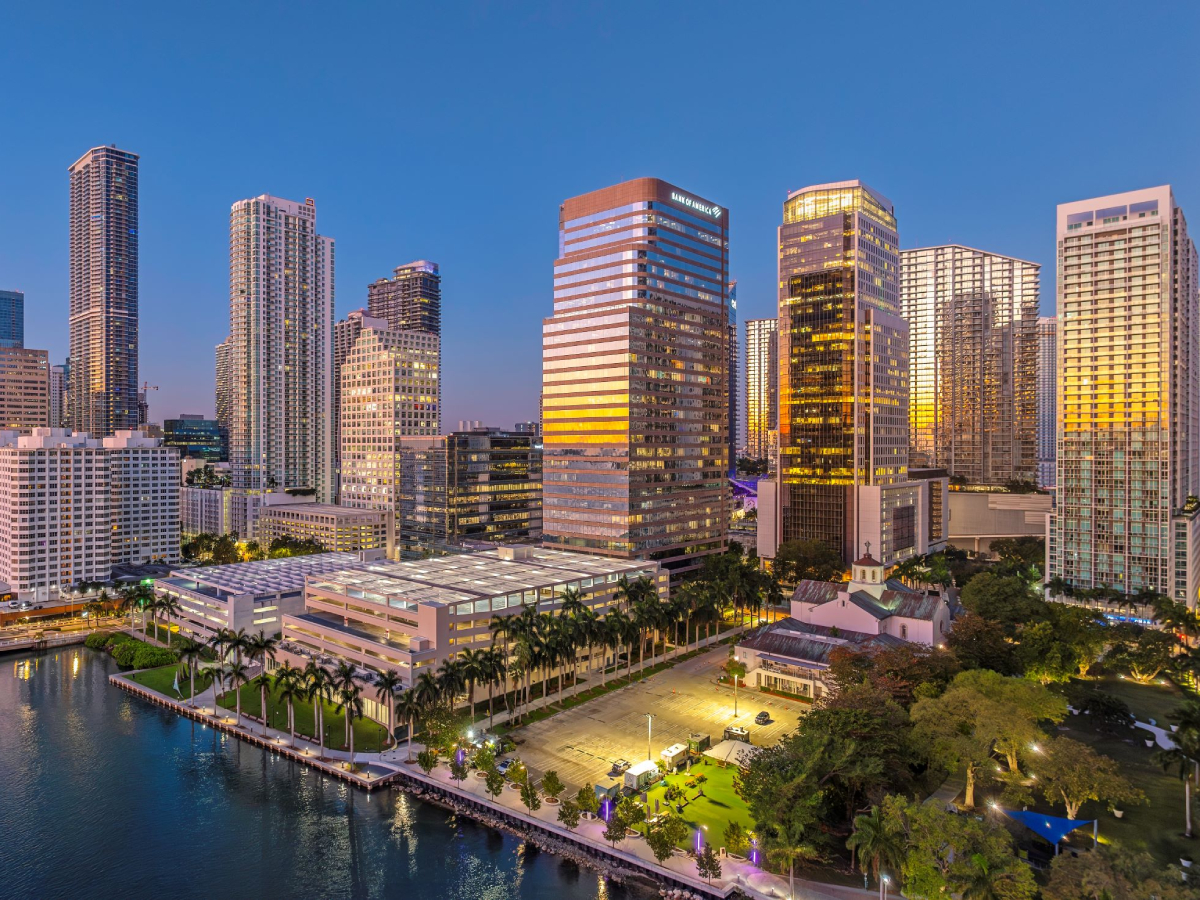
129, 652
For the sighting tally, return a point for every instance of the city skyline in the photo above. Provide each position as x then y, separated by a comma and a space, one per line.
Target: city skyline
510, 193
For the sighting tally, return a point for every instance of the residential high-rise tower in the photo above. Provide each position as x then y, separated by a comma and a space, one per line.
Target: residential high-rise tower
224, 393
972, 362
1128, 397
635, 382
411, 300
1047, 396
104, 291
762, 387
281, 296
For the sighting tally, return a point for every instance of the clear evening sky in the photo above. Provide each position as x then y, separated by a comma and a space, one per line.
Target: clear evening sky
452, 132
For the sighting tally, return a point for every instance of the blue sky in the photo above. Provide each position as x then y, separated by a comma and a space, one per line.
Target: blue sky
452, 132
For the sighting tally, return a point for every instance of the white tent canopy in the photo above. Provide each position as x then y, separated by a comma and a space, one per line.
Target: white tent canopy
737, 752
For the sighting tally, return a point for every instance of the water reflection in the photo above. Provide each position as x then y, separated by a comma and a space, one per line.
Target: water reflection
211, 816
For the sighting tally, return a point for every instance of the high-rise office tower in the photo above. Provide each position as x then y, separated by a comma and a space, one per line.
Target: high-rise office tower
59, 379
345, 334
411, 300
391, 389
224, 393
104, 291
843, 378
478, 485
1047, 397
735, 364
281, 295
972, 362
1128, 397
635, 382
12, 319
762, 387
24, 389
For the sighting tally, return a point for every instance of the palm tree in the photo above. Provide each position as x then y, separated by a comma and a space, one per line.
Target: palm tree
218, 679
451, 680
427, 690
169, 607
349, 694
409, 707
238, 642
877, 841
494, 671
610, 639
1184, 757
501, 629
259, 649
219, 641
316, 689
387, 683
130, 603
289, 686
153, 605
190, 654
473, 667
789, 844
521, 672
237, 675
343, 676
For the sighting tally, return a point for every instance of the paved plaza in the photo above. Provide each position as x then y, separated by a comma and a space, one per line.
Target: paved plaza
582, 743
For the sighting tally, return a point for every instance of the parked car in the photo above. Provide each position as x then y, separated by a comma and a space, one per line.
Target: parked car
763, 718
504, 765
619, 767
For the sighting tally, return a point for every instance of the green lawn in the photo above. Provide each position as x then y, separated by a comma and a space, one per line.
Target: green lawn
1156, 826
162, 680
713, 811
369, 736
1146, 701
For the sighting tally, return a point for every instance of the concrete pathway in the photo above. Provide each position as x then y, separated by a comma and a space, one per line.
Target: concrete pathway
1162, 737
746, 876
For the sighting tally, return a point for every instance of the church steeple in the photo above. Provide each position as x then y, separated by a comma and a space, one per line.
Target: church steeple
867, 570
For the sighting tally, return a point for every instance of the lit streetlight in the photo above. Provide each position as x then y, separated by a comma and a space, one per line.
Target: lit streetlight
883, 886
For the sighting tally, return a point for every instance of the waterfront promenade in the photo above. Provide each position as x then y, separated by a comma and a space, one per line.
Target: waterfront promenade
377, 770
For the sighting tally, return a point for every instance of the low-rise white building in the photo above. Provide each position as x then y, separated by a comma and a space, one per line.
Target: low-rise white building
410, 616
250, 595
72, 506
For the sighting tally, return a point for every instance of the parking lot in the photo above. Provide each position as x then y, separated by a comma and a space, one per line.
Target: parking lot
582, 743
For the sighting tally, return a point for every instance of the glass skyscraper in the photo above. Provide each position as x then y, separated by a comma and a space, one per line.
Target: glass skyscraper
1128, 396
843, 377
635, 383
12, 320
972, 362
104, 291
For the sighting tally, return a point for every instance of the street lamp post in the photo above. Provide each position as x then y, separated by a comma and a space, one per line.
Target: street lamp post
735, 708
883, 886
649, 733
